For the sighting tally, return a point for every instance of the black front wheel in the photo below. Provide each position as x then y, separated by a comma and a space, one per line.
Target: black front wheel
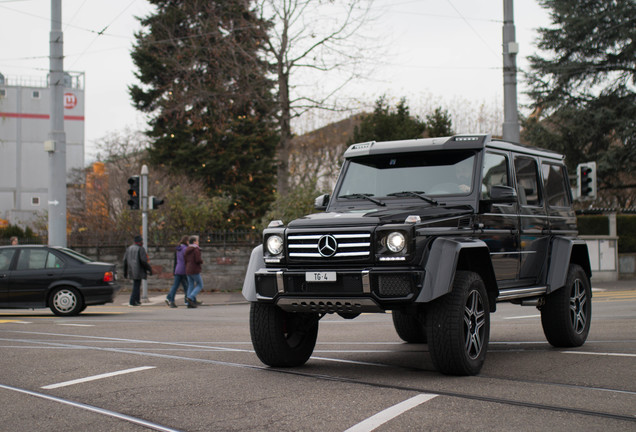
458, 326
409, 327
282, 339
567, 312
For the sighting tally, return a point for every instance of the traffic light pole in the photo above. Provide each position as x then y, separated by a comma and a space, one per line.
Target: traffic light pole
144, 223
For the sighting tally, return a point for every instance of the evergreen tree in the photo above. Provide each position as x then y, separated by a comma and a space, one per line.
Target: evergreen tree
204, 86
439, 123
584, 87
387, 124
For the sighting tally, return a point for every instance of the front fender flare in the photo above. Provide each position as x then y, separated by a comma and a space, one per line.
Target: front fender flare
443, 260
256, 263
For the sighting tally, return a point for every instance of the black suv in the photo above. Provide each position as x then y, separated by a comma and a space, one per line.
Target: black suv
436, 230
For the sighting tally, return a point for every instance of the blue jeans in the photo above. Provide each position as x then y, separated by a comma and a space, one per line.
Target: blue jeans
195, 285
178, 280
135, 295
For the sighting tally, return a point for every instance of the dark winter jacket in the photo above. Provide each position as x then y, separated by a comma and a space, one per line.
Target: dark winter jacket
136, 262
193, 260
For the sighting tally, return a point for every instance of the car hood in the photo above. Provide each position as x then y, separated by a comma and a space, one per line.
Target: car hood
379, 217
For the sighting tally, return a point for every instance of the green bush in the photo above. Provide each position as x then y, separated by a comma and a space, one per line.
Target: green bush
626, 230
593, 225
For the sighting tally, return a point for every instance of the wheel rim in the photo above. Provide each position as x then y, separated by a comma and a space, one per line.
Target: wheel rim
578, 306
474, 324
64, 300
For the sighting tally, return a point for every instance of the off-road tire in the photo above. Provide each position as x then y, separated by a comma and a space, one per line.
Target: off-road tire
282, 339
409, 327
458, 325
567, 312
66, 301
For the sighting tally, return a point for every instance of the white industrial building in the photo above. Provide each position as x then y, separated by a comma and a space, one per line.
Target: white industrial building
24, 127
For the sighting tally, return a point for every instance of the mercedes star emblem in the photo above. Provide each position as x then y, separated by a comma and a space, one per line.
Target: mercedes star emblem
327, 246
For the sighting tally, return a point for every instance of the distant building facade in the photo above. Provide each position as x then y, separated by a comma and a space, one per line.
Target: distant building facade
24, 127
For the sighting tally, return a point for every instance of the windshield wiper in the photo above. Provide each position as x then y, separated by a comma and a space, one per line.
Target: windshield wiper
419, 194
363, 196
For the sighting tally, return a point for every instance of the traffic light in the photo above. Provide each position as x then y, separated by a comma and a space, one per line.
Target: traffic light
133, 192
154, 203
586, 180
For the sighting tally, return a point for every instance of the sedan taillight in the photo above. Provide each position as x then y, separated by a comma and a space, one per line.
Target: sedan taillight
109, 277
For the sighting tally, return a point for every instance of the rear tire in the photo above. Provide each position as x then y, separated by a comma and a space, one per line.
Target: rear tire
567, 313
66, 301
410, 328
458, 326
282, 339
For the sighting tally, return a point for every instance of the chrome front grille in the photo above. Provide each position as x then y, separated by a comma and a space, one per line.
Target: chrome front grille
329, 245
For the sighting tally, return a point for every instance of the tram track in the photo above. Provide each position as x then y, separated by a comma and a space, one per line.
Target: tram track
138, 351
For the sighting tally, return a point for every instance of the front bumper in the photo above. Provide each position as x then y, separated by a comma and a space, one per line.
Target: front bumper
354, 291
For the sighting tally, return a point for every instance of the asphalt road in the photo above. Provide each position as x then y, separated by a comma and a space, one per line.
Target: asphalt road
116, 368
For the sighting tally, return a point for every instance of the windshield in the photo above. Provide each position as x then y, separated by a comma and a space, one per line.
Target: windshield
430, 173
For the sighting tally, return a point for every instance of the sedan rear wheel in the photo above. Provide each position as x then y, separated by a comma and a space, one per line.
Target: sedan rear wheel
65, 301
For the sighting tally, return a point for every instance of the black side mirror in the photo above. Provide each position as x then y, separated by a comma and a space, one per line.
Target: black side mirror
321, 202
502, 194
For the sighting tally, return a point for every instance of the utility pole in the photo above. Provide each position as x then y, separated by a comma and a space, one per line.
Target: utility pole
144, 223
56, 146
510, 51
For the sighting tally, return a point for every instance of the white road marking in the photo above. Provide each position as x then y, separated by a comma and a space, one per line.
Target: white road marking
600, 354
78, 325
390, 413
522, 317
96, 377
135, 420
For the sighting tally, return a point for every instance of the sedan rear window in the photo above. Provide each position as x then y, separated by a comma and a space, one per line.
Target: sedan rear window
78, 256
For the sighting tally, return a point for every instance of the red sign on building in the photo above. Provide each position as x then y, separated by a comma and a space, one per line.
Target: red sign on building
70, 100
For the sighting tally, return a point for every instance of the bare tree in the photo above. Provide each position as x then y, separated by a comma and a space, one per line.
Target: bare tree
309, 36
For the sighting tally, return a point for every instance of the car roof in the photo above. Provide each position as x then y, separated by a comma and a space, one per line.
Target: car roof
455, 142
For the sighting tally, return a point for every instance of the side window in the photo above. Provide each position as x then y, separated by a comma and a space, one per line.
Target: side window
555, 185
527, 177
32, 259
495, 173
53, 261
6, 256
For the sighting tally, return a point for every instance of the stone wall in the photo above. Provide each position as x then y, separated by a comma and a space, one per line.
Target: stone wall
223, 267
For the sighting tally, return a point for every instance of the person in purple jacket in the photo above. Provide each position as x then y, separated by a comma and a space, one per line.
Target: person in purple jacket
179, 272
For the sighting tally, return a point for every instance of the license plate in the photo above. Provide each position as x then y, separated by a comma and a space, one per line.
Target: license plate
320, 276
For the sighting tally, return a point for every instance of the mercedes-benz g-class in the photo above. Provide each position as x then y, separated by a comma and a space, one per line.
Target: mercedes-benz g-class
437, 231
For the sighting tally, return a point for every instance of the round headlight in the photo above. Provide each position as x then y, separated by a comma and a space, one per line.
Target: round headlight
274, 245
395, 242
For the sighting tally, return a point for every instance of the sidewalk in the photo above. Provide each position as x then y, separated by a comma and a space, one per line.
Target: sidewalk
157, 298
620, 285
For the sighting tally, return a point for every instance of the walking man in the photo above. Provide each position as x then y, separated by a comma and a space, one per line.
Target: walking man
193, 271
136, 267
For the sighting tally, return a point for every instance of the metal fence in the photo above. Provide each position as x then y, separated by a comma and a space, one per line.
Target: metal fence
118, 239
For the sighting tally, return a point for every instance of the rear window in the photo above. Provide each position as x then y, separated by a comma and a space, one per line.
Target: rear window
78, 256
